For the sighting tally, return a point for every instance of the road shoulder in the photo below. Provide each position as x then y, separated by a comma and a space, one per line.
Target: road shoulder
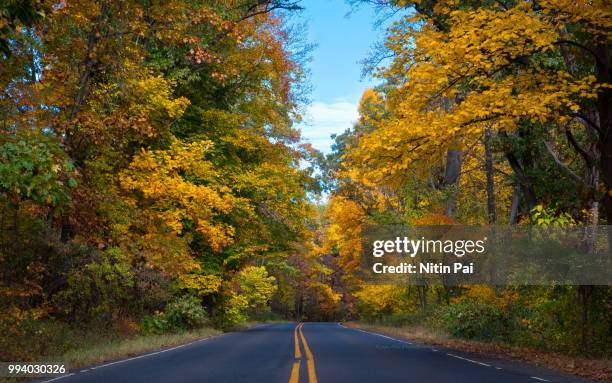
593, 369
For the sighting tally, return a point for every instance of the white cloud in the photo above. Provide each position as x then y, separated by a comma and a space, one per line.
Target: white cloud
321, 120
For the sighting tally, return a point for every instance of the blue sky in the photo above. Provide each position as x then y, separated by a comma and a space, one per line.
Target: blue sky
335, 70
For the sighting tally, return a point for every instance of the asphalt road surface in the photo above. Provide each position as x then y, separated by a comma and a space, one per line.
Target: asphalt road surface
311, 352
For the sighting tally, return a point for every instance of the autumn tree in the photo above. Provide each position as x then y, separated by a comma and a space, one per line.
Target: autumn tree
149, 153
492, 112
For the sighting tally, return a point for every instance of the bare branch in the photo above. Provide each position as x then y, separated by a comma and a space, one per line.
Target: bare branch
572, 140
581, 46
575, 177
587, 120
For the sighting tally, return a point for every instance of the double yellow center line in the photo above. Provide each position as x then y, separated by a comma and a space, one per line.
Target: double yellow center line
295, 370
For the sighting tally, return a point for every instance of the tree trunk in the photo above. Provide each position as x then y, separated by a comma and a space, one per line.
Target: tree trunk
604, 110
514, 208
452, 172
491, 213
584, 293
527, 200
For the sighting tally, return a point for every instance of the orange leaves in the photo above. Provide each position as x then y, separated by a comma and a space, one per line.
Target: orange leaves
490, 67
489, 295
376, 300
593, 17
178, 185
484, 39
436, 217
323, 297
344, 232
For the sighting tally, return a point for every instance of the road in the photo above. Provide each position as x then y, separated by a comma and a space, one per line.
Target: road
311, 353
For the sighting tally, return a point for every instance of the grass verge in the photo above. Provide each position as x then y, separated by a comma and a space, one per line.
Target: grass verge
111, 347
595, 369
119, 349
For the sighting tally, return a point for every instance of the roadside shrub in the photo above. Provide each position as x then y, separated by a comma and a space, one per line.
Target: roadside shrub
234, 312
375, 302
31, 339
185, 313
97, 286
154, 324
247, 296
257, 287
471, 319
404, 318
28, 338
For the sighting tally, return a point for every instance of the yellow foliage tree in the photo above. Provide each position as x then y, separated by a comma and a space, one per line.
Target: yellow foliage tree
466, 69
176, 189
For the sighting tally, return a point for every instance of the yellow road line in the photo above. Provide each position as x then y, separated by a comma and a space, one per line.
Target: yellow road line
295, 372
295, 369
312, 375
298, 354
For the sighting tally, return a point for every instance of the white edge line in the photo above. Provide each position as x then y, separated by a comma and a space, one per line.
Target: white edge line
374, 333
469, 360
125, 360
136, 357
154, 353
540, 379
59, 377
433, 349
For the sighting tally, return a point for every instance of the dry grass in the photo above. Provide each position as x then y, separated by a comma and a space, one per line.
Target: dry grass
595, 369
117, 349
89, 353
